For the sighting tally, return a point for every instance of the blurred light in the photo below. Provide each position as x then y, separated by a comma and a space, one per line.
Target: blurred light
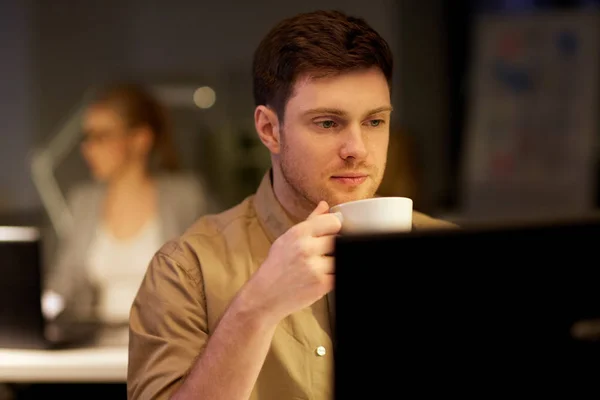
204, 97
175, 95
18, 234
52, 304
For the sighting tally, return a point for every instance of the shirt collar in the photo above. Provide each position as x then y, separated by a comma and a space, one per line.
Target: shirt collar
271, 214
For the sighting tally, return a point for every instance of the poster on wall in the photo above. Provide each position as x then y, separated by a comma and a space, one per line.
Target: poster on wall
532, 119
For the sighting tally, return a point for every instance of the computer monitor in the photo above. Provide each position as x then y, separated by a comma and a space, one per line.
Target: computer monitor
21, 319
469, 312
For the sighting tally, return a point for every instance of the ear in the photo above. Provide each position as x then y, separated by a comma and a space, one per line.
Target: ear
268, 129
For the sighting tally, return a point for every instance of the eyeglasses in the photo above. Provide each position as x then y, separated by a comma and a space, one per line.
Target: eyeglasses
100, 137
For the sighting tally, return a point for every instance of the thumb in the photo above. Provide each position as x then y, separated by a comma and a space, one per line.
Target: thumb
322, 208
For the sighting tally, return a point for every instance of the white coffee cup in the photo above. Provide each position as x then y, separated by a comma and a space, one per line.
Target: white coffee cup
376, 215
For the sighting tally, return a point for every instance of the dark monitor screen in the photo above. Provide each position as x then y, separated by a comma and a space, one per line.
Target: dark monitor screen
470, 312
21, 320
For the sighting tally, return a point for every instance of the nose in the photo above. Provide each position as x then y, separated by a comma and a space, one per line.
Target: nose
354, 146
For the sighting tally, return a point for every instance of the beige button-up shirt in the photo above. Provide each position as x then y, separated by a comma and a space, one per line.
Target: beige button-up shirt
188, 286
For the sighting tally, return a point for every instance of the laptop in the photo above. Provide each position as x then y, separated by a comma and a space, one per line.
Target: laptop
477, 312
22, 322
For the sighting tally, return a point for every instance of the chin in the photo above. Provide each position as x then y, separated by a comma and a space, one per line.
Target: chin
339, 198
337, 194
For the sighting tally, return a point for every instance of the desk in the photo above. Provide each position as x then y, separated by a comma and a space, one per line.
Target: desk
92, 364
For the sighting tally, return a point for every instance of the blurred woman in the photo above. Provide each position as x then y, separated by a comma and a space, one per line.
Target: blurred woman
138, 201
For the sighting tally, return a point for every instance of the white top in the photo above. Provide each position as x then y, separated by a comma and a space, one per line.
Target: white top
117, 268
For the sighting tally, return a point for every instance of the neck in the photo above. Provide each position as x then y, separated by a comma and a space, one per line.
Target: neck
296, 206
130, 182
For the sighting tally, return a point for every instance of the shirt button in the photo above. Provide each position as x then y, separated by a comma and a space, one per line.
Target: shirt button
321, 351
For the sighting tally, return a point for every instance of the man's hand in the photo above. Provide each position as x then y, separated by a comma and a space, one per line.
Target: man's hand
299, 269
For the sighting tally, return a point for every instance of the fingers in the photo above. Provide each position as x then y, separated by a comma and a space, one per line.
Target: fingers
321, 208
321, 222
323, 245
321, 225
325, 264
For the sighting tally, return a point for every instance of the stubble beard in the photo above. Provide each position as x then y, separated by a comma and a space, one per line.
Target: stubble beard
309, 197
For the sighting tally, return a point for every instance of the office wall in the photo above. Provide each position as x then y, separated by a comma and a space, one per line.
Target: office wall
53, 51
16, 106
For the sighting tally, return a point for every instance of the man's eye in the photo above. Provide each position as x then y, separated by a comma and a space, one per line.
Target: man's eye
326, 124
376, 122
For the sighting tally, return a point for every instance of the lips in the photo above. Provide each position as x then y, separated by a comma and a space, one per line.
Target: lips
350, 178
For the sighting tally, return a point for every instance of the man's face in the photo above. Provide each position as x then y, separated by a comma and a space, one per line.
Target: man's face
335, 137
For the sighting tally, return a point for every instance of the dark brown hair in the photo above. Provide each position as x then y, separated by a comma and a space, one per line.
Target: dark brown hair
138, 107
317, 44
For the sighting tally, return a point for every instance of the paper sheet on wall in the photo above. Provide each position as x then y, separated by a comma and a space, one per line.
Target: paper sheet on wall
532, 116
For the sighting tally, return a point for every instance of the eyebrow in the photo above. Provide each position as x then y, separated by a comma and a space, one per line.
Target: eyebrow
335, 111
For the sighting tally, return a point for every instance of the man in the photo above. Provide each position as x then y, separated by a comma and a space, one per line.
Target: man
236, 308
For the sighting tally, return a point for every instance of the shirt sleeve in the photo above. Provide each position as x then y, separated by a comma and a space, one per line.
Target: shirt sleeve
168, 324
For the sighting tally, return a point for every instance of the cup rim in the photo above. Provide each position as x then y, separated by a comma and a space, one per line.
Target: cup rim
348, 203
